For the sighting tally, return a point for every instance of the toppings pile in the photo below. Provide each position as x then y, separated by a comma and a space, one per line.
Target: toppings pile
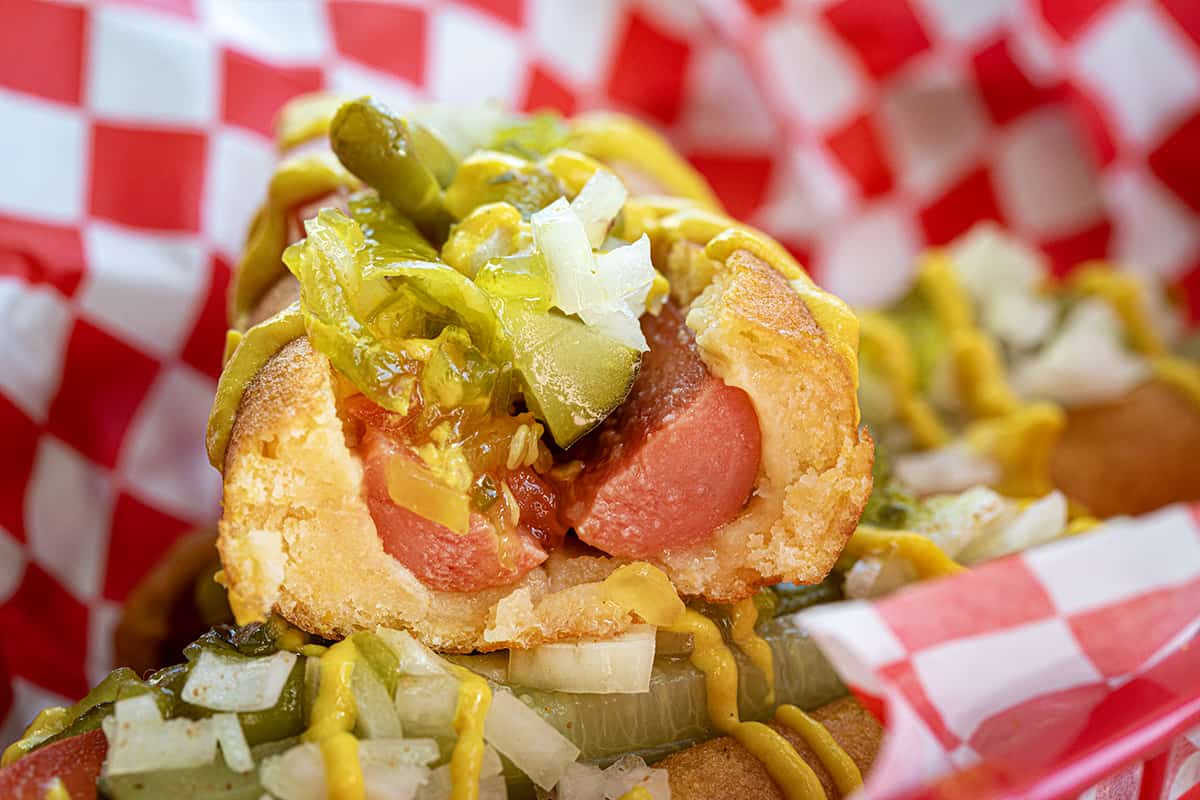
969, 377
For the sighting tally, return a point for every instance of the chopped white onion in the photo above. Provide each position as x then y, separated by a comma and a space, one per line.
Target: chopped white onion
957, 520
1003, 278
988, 261
146, 745
533, 745
581, 781
1087, 362
439, 786
143, 708
232, 740
598, 203
415, 658
606, 290
626, 274
295, 774
952, 468
620, 665
398, 752
589, 782
630, 771
235, 683
1040, 522
560, 236
425, 704
392, 770
376, 717
874, 576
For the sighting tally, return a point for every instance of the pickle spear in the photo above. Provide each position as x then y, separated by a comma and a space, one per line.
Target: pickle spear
386, 151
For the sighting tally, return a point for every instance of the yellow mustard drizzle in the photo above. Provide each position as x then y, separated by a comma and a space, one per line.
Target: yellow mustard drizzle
1080, 525
573, 169
289, 637
710, 655
979, 372
333, 717
1180, 374
837, 762
744, 616
297, 179
1123, 293
893, 355
49, 722
498, 223
616, 139
1022, 443
470, 713
929, 560
57, 790
645, 590
637, 793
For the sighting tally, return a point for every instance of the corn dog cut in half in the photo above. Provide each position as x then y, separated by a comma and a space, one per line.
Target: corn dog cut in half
514, 403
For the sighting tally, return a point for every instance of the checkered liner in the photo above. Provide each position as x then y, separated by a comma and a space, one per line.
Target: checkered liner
135, 146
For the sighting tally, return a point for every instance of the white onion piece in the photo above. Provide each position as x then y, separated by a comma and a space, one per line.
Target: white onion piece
1041, 521
560, 236
439, 786
598, 203
957, 520
376, 717
232, 740
952, 468
1087, 362
295, 774
620, 665
234, 683
425, 704
874, 576
142, 708
581, 781
626, 274
606, 290
415, 658
398, 752
148, 745
630, 771
533, 745
988, 261
392, 770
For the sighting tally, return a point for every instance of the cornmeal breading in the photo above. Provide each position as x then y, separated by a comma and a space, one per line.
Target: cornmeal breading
296, 535
1132, 455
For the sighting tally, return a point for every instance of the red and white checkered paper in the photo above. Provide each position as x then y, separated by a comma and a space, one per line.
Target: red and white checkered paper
135, 145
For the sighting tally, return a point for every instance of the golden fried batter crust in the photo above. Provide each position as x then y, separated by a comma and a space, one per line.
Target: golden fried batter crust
721, 769
1133, 455
296, 535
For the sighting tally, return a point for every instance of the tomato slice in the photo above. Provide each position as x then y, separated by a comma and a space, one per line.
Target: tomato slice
76, 761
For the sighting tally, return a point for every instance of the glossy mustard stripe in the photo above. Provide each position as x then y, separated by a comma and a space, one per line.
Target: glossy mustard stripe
333, 717
837, 762
710, 655
744, 618
928, 559
474, 699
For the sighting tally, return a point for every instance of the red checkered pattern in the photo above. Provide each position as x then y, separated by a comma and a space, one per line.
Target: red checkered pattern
1039, 674
136, 145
